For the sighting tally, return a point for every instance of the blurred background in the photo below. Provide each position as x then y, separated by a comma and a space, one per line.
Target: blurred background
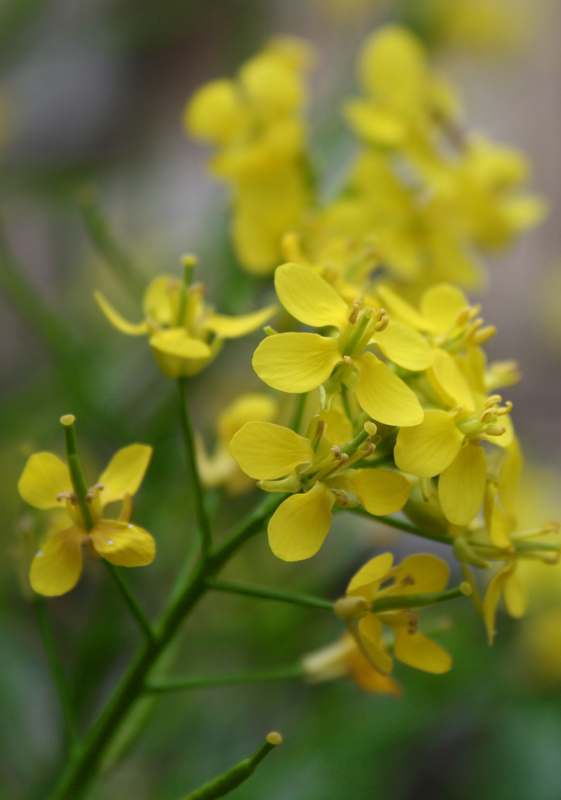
91, 98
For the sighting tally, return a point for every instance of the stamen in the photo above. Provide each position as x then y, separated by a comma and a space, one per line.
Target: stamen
347, 360
408, 580
495, 430
352, 318
336, 450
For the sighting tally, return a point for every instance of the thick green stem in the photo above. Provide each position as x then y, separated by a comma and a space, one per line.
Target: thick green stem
181, 684
203, 518
419, 600
130, 600
82, 768
237, 775
56, 669
269, 594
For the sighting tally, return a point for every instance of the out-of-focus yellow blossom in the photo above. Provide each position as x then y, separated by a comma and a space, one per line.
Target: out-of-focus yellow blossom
502, 528
317, 471
184, 332
448, 444
344, 658
256, 122
220, 468
299, 362
46, 484
403, 94
417, 574
486, 25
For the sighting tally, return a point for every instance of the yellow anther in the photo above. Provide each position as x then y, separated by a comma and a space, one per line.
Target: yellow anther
493, 400
495, 430
370, 427
274, 738
383, 324
551, 527
68, 419
463, 317
189, 260
483, 335
353, 314
290, 247
502, 410
336, 450
348, 360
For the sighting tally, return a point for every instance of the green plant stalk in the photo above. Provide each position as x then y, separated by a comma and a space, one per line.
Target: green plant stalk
236, 775
75, 467
417, 600
270, 594
56, 669
203, 518
82, 767
299, 409
181, 684
105, 242
130, 600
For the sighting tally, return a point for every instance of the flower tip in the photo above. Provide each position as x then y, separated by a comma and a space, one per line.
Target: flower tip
68, 419
370, 428
274, 738
189, 260
466, 589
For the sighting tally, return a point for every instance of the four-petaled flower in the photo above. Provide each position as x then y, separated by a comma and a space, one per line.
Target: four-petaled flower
46, 484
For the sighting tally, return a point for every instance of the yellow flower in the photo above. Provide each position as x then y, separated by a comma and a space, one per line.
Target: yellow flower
318, 474
184, 332
46, 484
220, 468
447, 444
299, 362
417, 574
256, 124
344, 658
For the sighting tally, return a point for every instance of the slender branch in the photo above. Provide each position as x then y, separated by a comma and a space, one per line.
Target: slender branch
237, 775
203, 518
181, 684
107, 245
269, 594
82, 768
419, 600
75, 467
130, 600
401, 525
56, 668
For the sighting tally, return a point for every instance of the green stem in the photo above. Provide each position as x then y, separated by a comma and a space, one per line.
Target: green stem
106, 244
419, 600
130, 600
82, 768
269, 594
75, 467
56, 668
237, 775
392, 522
203, 518
181, 684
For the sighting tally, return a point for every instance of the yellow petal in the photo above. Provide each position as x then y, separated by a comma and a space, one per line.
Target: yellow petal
124, 473
393, 67
492, 596
266, 451
214, 113
299, 526
418, 651
511, 471
498, 524
119, 322
427, 449
161, 300
404, 346
177, 342
370, 631
442, 304
445, 376
461, 487
57, 565
429, 574
234, 327
381, 491
45, 476
123, 544
309, 298
514, 595
384, 396
365, 582
296, 362
249, 407
403, 311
